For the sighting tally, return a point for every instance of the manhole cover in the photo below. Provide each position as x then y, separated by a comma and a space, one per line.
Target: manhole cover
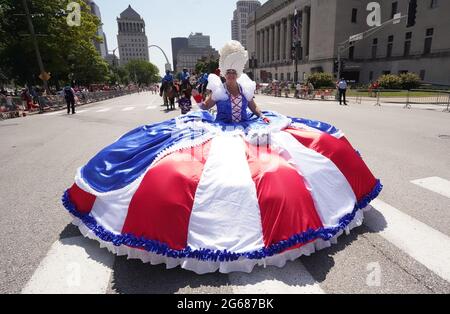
444, 137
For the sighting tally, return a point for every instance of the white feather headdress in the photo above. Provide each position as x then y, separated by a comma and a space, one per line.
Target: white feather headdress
233, 56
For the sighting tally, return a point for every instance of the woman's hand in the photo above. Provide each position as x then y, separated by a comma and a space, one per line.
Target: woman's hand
197, 96
266, 120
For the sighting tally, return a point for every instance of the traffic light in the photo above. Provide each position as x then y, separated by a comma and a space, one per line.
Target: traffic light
412, 13
335, 66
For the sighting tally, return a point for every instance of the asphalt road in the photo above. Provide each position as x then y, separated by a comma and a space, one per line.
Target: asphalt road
40, 155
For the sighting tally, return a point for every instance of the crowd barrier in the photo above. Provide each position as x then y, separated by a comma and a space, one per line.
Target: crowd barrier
14, 106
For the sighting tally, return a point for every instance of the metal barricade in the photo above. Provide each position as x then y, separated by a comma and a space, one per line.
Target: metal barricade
428, 97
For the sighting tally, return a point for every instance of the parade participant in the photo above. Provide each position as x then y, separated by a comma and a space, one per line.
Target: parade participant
185, 79
70, 97
185, 103
224, 192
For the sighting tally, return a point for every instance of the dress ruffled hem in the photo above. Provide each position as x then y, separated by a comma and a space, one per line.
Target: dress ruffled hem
243, 265
207, 261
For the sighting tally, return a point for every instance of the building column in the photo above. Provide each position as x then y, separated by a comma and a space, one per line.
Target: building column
305, 30
283, 40
277, 41
261, 47
267, 45
289, 38
270, 43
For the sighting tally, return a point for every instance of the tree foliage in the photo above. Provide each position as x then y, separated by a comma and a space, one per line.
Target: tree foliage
68, 52
321, 80
142, 72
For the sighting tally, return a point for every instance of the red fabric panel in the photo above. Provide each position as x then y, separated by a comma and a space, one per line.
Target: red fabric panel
287, 207
82, 200
343, 155
161, 207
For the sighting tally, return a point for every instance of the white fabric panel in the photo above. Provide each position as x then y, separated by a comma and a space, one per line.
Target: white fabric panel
111, 212
226, 213
332, 194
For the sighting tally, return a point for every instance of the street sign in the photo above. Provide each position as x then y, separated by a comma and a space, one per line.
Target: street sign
45, 76
356, 37
397, 18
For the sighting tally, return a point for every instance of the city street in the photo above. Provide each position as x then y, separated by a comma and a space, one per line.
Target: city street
403, 246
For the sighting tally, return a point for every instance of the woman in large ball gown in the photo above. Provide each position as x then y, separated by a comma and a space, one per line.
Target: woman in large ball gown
223, 192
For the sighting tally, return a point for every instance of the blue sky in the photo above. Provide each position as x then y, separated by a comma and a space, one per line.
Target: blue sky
172, 18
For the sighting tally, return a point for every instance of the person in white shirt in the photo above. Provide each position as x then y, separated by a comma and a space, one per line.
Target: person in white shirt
342, 88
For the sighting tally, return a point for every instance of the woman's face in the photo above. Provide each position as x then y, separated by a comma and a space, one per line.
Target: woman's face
231, 76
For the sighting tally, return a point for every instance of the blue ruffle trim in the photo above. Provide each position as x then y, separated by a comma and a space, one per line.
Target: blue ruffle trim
221, 256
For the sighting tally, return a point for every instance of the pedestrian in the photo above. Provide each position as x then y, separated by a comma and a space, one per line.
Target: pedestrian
69, 95
342, 90
185, 103
310, 90
298, 89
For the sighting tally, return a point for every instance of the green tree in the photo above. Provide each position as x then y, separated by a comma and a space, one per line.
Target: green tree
68, 52
410, 80
142, 72
207, 65
321, 80
390, 81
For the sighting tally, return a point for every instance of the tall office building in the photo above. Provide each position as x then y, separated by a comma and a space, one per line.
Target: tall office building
178, 43
132, 39
198, 40
101, 47
240, 19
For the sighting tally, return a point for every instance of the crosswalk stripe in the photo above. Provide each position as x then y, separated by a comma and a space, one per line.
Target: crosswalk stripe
128, 108
435, 184
293, 278
104, 110
423, 243
72, 266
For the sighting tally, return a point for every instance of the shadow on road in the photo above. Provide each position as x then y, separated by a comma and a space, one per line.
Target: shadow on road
135, 277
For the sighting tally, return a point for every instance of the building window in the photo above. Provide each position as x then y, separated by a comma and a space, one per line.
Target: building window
386, 72
433, 4
412, 13
289, 76
370, 76
428, 41
390, 46
394, 9
374, 48
351, 53
354, 15
282, 76
407, 48
422, 75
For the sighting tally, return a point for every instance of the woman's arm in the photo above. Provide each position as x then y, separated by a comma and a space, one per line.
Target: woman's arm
255, 109
204, 105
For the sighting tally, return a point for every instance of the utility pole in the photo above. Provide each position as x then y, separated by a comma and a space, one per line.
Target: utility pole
36, 46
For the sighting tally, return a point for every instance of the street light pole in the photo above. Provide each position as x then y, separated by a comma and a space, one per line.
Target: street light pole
35, 43
343, 46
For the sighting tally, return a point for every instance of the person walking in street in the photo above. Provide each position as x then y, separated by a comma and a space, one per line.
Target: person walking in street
69, 95
342, 89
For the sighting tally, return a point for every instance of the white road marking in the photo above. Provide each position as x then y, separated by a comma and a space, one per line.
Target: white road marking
151, 107
128, 108
82, 111
55, 113
293, 278
423, 243
72, 266
104, 110
435, 184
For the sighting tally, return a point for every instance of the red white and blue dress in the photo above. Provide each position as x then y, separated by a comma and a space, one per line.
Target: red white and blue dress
224, 192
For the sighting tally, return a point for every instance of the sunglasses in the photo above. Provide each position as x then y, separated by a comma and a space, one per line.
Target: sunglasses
233, 72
